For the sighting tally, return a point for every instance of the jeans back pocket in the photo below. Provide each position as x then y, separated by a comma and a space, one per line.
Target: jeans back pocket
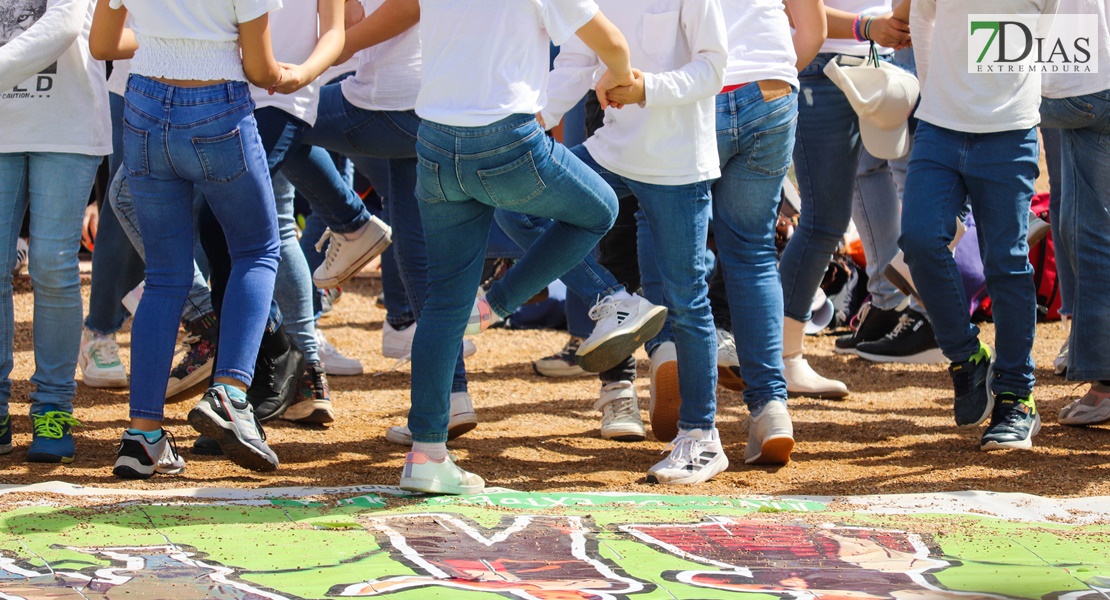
514, 183
134, 151
222, 156
428, 187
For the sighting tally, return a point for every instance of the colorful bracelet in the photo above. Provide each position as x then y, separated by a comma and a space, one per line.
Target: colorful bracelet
867, 29
856, 30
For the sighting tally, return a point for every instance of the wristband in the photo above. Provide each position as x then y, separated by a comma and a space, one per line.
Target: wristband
867, 29
856, 30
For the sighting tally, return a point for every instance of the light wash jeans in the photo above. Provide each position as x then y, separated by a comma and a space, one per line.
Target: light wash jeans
293, 286
116, 267
54, 187
178, 140
1052, 146
673, 224
1083, 225
464, 174
996, 172
754, 140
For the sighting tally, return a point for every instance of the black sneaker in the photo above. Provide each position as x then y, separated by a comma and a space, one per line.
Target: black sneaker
232, 424
313, 403
1014, 422
971, 380
139, 458
911, 342
206, 446
873, 324
276, 372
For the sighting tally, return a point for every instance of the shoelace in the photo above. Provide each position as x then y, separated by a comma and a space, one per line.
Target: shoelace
860, 318
333, 249
904, 323
106, 346
625, 409
572, 346
52, 424
604, 307
683, 449
173, 448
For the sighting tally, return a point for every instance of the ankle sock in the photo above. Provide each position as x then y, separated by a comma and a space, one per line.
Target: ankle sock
151, 436
435, 451
232, 392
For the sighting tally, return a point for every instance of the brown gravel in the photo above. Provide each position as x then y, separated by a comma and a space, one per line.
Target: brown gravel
892, 435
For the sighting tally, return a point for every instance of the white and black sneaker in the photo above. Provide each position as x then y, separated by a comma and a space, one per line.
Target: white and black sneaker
911, 342
139, 458
696, 456
232, 424
622, 326
871, 324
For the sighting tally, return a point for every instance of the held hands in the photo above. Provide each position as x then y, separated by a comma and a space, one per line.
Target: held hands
352, 13
611, 81
290, 79
889, 31
633, 93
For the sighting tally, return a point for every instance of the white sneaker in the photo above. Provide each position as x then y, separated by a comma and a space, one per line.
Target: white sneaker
802, 380
100, 363
462, 420
335, 362
728, 363
482, 316
346, 257
621, 326
770, 436
398, 343
561, 364
666, 397
696, 456
1092, 409
422, 474
22, 251
620, 413
139, 458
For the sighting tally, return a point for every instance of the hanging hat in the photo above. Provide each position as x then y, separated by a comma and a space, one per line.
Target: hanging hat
883, 96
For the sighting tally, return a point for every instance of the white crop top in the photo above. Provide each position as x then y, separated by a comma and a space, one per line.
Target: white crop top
191, 39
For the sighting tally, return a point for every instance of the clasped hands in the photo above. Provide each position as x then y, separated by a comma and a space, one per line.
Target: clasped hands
616, 90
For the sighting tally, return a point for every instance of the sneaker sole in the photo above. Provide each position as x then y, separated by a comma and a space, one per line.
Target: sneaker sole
709, 471
609, 352
624, 434
435, 486
1025, 444
239, 453
98, 383
932, 356
1096, 416
775, 451
829, 395
356, 266
453, 431
317, 413
730, 380
847, 351
343, 371
129, 472
666, 402
42, 457
557, 372
201, 375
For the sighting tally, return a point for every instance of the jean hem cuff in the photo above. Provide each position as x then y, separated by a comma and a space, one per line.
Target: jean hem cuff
430, 439
147, 415
233, 374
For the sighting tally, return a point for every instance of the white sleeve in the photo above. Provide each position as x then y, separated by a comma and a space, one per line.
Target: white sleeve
703, 22
249, 10
923, 16
42, 43
562, 18
572, 77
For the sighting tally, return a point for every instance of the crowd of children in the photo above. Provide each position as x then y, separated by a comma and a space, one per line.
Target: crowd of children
218, 113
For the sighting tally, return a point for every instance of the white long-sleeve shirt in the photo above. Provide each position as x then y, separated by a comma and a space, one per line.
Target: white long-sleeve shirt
971, 102
53, 94
682, 48
1067, 85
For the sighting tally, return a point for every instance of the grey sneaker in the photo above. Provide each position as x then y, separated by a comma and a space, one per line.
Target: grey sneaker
139, 458
231, 423
620, 413
770, 436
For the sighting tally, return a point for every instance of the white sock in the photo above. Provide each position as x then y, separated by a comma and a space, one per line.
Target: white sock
436, 451
356, 233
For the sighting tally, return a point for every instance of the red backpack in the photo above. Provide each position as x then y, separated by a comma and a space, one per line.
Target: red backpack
1043, 258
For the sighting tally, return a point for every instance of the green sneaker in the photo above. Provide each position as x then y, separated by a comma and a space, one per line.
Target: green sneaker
51, 440
971, 380
1014, 422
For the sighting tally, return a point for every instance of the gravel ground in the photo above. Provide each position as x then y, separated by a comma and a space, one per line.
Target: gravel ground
893, 434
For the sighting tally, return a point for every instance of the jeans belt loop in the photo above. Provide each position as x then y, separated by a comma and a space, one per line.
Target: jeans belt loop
167, 100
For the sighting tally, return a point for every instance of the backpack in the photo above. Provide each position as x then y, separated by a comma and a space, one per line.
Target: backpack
1043, 258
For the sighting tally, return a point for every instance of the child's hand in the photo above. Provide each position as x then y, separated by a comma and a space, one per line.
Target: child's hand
628, 94
352, 13
293, 78
888, 31
609, 81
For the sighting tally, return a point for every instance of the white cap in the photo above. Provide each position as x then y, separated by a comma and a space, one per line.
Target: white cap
883, 97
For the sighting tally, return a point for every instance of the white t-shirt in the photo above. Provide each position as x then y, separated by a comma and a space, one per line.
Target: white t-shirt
388, 75
682, 48
970, 102
850, 45
191, 39
294, 31
53, 95
1067, 85
117, 81
759, 42
484, 60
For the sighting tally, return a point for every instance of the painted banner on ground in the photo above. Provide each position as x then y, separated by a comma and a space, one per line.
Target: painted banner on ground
557, 546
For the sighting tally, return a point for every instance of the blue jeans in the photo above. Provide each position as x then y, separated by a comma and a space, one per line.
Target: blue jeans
1052, 144
1083, 223
826, 156
754, 141
996, 172
54, 186
293, 286
178, 140
673, 226
116, 267
464, 174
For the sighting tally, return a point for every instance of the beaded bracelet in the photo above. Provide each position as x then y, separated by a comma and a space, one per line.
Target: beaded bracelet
856, 30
